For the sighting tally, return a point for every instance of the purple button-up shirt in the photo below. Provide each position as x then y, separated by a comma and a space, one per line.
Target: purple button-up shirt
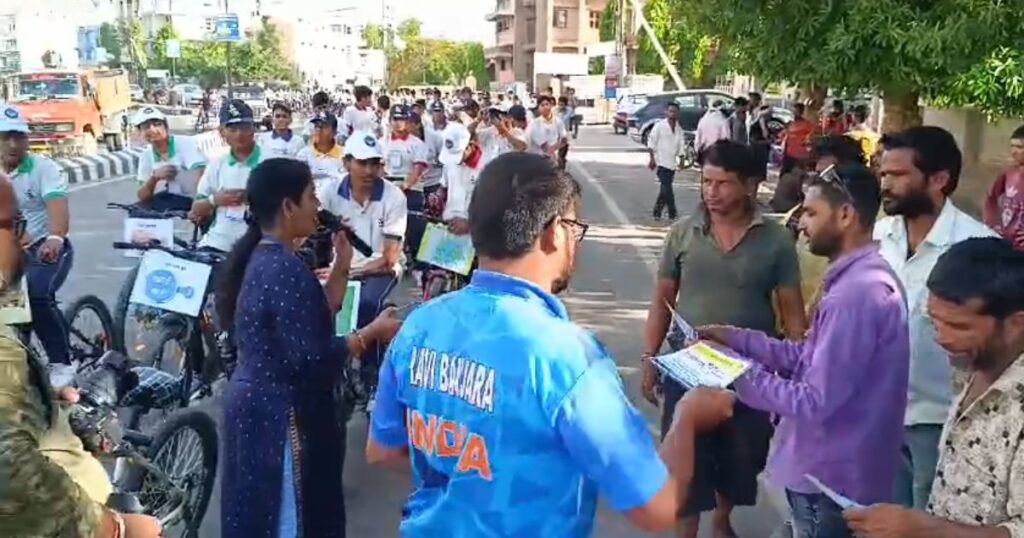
841, 393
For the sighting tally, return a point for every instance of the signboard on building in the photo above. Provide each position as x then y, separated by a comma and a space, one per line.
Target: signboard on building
226, 29
558, 63
612, 70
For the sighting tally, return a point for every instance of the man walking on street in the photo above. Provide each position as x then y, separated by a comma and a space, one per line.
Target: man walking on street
712, 127
666, 143
738, 121
721, 266
920, 169
838, 393
1004, 203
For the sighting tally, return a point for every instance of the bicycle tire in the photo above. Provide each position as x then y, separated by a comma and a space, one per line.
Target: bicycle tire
96, 305
435, 287
206, 429
121, 312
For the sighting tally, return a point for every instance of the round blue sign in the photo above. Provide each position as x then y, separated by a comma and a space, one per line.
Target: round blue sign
370, 141
161, 286
11, 113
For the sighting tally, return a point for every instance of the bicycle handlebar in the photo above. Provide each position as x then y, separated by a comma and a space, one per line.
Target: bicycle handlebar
199, 256
137, 212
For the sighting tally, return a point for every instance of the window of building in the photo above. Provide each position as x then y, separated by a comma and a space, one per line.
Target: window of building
502, 65
561, 17
595, 19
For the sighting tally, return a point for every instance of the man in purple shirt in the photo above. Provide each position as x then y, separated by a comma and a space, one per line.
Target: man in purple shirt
841, 392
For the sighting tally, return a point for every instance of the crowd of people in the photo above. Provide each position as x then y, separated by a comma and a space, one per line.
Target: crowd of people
883, 343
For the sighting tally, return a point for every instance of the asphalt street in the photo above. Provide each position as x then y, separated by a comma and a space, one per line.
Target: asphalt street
609, 295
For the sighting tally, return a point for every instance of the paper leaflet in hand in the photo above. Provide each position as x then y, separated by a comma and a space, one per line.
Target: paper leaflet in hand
685, 328
701, 365
843, 502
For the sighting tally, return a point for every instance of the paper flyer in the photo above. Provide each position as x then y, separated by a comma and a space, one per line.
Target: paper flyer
446, 250
348, 315
682, 325
844, 502
701, 365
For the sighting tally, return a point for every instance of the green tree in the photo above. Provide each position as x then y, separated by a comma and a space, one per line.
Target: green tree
373, 36
409, 30
110, 39
697, 55
423, 60
905, 50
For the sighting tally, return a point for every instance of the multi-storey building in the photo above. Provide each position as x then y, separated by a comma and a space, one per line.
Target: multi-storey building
524, 28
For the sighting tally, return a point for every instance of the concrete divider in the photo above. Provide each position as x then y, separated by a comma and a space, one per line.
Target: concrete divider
115, 164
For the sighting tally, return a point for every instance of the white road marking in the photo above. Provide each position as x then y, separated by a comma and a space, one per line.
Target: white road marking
92, 184
579, 170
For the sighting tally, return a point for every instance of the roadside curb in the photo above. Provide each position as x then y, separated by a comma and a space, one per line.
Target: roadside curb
102, 166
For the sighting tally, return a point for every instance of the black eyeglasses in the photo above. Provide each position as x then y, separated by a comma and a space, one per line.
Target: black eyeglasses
578, 229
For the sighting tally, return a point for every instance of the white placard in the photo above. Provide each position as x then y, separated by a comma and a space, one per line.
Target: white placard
168, 283
14, 307
142, 231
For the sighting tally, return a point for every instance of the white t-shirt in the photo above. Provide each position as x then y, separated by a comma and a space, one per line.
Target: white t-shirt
37, 180
494, 145
402, 154
358, 120
279, 146
667, 144
382, 217
184, 155
541, 133
325, 166
226, 173
460, 181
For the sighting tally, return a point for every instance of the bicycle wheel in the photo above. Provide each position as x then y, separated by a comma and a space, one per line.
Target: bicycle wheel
132, 322
185, 449
88, 343
169, 350
121, 312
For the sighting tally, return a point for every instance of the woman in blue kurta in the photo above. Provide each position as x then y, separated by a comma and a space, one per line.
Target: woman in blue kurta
283, 442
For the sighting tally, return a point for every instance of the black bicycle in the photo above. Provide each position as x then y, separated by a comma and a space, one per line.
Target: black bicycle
168, 473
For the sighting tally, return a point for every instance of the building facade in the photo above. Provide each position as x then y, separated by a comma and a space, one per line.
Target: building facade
524, 28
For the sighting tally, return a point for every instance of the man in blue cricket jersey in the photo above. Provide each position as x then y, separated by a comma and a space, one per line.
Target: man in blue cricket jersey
513, 418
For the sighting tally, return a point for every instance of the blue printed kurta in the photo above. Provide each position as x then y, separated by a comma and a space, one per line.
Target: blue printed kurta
289, 364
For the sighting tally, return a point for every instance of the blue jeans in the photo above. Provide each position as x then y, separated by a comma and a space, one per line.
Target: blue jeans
816, 516
666, 196
415, 225
44, 280
920, 456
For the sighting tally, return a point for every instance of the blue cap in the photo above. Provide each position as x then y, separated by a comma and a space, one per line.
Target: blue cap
235, 111
325, 117
400, 112
437, 106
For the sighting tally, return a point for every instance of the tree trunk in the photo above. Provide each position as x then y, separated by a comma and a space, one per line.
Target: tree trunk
813, 96
900, 110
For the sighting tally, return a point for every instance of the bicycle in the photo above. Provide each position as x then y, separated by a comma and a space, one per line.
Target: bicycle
206, 356
148, 475
202, 121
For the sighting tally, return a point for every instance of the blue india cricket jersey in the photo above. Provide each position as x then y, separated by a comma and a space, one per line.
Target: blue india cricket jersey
515, 418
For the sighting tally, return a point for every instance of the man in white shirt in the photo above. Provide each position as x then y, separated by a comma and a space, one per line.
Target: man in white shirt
499, 135
361, 116
463, 160
406, 161
920, 169
281, 141
666, 142
40, 189
321, 102
169, 169
712, 127
546, 134
323, 154
221, 191
375, 209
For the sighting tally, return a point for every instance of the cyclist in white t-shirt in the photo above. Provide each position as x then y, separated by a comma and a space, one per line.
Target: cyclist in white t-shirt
281, 141
169, 168
323, 154
546, 133
361, 116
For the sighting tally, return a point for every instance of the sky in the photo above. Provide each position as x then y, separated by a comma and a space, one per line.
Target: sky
461, 20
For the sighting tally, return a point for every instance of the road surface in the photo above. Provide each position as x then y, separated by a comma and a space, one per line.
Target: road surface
609, 295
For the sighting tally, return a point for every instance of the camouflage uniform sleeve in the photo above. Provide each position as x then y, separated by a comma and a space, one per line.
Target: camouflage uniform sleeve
37, 497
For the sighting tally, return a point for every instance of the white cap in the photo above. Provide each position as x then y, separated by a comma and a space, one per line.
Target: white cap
147, 113
363, 146
456, 140
12, 121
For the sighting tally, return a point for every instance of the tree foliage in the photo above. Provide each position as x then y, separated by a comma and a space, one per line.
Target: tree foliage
899, 48
697, 54
418, 60
258, 59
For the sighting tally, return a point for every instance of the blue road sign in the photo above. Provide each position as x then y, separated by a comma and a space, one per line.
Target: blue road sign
227, 29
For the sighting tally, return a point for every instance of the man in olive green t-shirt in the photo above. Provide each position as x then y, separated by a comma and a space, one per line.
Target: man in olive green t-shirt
722, 267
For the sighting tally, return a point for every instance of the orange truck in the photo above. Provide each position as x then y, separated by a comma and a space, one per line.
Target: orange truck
70, 112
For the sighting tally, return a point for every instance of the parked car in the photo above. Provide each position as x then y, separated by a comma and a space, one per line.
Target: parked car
191, 94
692, 106
136, 93
627, 105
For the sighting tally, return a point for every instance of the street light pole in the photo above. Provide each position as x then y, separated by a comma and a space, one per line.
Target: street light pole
227, 60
